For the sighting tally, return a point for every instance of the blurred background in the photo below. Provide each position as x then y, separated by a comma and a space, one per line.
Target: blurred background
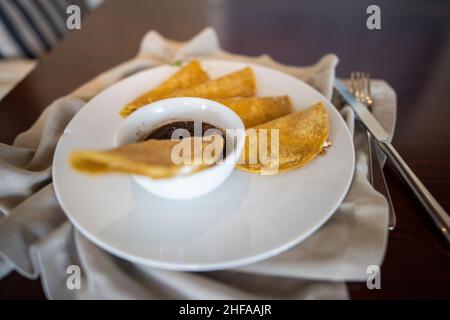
29, 29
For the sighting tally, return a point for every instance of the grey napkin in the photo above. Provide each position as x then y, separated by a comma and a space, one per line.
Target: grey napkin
37, 240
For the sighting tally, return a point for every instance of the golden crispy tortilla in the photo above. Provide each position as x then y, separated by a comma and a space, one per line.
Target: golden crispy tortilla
241, 83
189, 75
152, 158
254, 111
301, 137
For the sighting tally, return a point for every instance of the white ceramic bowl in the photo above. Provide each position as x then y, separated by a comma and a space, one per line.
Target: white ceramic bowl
141, 122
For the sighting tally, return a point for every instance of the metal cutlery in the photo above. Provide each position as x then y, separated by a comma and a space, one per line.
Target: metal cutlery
433, 208
360, 86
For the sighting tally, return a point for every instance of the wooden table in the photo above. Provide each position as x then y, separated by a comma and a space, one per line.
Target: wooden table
411, 51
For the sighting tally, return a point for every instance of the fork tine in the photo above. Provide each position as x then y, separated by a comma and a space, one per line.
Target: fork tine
360, 82
369, 90
356, 93
357, 86
366, 86
363, 87
352, 83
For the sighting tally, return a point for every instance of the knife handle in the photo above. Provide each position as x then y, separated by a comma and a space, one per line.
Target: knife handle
437, 213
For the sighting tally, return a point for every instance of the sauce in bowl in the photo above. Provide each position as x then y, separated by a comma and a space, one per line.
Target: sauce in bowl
166, 131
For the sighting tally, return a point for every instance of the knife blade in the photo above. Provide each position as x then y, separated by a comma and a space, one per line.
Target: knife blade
361, 111
439, 216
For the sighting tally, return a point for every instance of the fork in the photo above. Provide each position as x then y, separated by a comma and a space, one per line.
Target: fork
360, 86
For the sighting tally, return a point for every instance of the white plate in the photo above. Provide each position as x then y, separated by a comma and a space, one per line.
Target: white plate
247, 219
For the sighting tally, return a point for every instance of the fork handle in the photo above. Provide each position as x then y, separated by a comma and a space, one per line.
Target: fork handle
437, 213
379, 181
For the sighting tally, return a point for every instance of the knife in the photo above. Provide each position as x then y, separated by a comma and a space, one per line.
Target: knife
434, 209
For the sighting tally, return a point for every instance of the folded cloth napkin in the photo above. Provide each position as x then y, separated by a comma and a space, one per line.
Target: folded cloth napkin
37, 240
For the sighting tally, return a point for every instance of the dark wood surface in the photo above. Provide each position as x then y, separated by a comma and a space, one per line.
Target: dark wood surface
412, 52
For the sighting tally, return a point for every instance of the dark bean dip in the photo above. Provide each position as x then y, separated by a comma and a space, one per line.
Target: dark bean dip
165, 131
